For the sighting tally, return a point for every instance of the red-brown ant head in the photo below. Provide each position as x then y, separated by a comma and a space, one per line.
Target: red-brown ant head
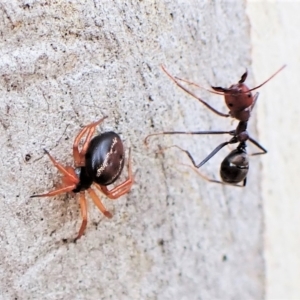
238, 96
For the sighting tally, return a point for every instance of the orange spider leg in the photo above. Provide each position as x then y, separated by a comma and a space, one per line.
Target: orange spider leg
70, 175
122, 188
76, 154
99, 204
90, 129
62, 190
66, 180
83, 209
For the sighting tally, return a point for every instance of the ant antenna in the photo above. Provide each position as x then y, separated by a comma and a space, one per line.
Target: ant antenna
220, 90
267, 79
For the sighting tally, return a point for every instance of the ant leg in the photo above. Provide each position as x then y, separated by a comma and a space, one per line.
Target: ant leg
62, 190
63, 170
232, 132
83, 214
89, 129
99, 204
188, 82
264, 151
193, 95
209, 156
205, 159
245, 182
211, 180
122, 188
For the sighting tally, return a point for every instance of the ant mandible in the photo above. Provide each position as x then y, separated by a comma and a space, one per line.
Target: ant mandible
99, 162
234, 168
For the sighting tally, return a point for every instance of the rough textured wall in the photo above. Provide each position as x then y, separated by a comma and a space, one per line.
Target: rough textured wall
66, 64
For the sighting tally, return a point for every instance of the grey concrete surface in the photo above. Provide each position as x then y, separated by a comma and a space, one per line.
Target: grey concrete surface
174, 236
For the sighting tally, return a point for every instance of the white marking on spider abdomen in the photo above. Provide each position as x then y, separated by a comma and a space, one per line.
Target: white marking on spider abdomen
119, 170
104, 165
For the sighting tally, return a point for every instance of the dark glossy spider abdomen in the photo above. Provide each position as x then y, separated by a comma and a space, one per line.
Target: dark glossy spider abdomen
104, 159
235, 166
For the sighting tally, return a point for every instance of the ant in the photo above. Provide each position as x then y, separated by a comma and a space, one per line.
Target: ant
238, 97
99, 162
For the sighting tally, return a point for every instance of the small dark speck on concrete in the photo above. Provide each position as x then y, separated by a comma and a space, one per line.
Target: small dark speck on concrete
161, 242
27, 157
224, 258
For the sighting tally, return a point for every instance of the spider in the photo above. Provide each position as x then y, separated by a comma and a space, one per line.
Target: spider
99, 162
